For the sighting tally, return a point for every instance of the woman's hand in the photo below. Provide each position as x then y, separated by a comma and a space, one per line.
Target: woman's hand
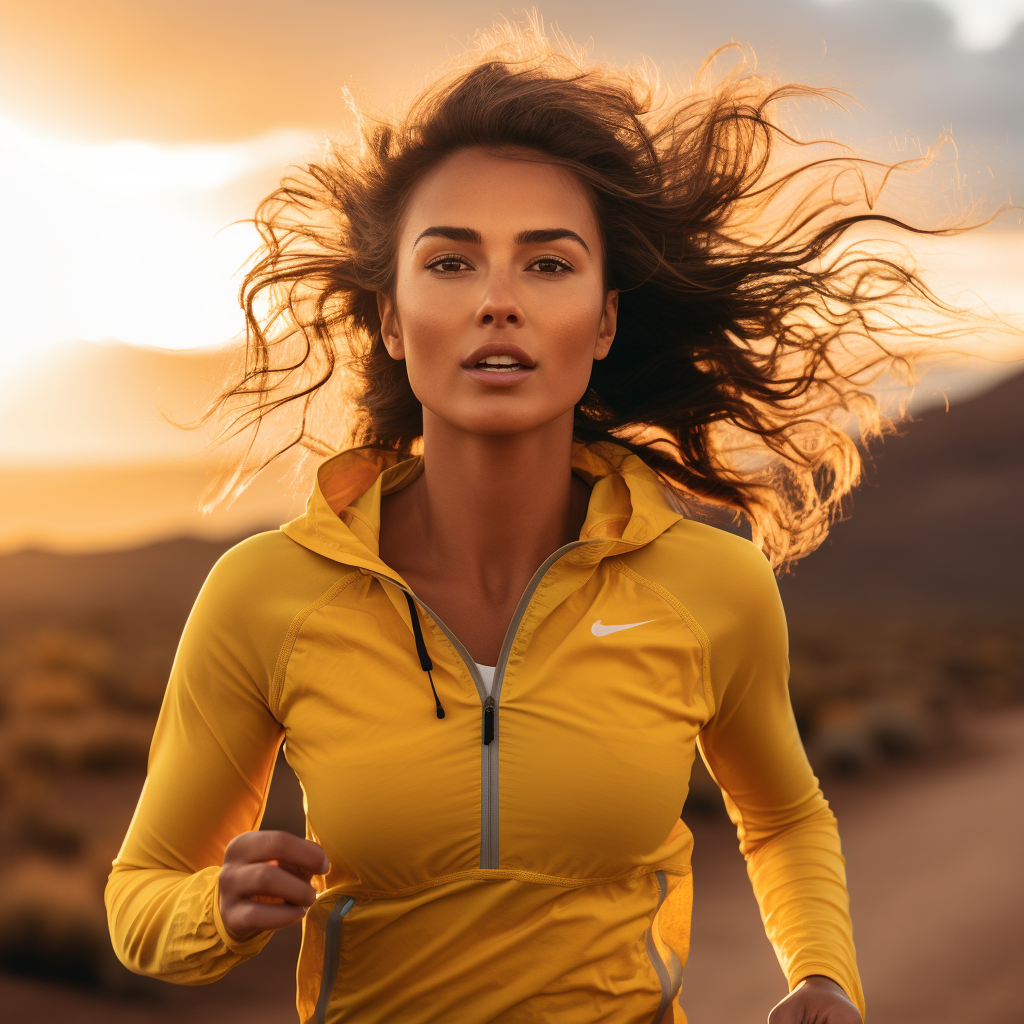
264, 882
816, 1000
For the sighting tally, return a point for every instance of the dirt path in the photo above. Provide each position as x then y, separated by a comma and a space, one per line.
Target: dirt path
937, 891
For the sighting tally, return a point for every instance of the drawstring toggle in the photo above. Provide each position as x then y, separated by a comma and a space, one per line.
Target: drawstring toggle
421, 649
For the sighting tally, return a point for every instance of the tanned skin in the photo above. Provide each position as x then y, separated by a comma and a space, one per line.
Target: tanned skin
497, 494
499, 255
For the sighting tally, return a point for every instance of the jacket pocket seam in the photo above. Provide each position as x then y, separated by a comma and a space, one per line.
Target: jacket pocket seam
511, 875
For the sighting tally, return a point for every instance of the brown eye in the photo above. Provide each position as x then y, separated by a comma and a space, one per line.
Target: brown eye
550, 266
448, 264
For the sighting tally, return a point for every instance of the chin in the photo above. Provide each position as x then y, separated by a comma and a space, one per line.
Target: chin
502, 427
504, 423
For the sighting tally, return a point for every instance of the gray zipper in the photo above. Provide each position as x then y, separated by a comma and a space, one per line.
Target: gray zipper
489, 757
489, 751
332, 954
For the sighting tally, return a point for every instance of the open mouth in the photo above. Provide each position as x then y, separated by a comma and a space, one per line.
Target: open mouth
500, 364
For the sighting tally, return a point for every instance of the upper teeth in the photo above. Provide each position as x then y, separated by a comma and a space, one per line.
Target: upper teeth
500, 361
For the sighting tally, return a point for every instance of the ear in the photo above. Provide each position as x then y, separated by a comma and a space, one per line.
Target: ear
390, 329
606, 330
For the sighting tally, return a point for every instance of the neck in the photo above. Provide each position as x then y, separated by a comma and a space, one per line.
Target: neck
490, 508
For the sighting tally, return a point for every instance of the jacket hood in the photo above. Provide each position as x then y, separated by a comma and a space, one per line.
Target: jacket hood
629, 505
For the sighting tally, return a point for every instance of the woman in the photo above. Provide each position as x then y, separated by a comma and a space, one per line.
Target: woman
494, 662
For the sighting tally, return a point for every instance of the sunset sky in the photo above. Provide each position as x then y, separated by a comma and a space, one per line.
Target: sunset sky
134, 135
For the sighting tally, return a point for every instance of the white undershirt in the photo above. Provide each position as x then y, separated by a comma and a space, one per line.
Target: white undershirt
487, 675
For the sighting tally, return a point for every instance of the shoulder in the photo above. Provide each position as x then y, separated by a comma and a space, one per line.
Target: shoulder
267, 560
692, 555
253, 594
261, 583
722, 579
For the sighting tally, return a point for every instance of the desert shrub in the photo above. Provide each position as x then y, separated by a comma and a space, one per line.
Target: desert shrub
53, 925
40, 829
50, 692
100, 741
875, 688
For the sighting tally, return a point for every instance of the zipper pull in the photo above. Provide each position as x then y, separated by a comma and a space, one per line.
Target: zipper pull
489, 712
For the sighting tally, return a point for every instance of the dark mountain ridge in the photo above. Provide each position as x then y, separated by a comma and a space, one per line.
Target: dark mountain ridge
936, 523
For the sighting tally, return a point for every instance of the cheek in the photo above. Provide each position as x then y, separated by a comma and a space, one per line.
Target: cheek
570, 331
431, 330
427, 316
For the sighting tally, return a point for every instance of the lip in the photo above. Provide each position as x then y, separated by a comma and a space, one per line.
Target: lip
498, 348
499, 378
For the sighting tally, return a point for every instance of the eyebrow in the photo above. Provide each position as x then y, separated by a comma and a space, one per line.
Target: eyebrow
453, 234
534, 237
549, 235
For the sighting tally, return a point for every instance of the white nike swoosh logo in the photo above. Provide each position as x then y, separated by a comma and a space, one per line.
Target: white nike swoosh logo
599, 630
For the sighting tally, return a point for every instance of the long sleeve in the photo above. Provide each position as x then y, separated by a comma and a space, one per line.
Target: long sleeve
786, 830
209, 770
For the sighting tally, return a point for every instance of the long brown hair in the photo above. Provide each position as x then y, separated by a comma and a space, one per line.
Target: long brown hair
749, 325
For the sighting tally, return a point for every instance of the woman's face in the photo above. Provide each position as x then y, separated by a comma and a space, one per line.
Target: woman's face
500, 306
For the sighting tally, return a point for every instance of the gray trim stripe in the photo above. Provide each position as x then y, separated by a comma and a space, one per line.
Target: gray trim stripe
332, 954
670, 976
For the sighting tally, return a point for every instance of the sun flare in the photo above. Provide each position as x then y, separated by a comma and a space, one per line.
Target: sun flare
128, 239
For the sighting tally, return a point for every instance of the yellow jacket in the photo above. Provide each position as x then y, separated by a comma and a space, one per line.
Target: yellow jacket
521, 859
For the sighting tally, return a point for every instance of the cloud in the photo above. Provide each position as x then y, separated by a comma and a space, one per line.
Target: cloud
978, 24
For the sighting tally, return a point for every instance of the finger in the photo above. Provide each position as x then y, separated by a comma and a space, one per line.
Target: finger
263, 879
792, 1010
270, 899
281, 846
291, 869
294, 869
807, 1006
247, 918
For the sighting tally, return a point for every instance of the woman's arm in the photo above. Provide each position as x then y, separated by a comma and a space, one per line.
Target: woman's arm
210, 765
787, 832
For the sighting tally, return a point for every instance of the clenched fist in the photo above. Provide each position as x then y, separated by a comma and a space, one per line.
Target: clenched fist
816, 1000
265, 881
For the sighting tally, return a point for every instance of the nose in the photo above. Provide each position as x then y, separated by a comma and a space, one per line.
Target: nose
499, 307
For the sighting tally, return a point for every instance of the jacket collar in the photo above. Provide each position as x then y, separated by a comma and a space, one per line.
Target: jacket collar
629, 505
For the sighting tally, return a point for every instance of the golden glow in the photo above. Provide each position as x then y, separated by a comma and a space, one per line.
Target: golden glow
127, 240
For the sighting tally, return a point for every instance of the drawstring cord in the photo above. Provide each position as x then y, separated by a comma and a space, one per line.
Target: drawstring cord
421, 649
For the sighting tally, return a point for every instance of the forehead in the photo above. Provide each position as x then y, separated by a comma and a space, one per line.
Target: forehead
496, 194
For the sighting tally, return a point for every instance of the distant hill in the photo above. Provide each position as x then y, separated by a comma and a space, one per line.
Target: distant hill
937, 523
163, 579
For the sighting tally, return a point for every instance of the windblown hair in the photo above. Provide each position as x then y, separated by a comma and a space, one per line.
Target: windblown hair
749, 327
